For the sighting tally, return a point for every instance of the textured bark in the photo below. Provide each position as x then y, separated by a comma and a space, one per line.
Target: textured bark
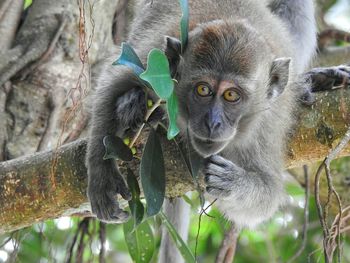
46, 185
44, 109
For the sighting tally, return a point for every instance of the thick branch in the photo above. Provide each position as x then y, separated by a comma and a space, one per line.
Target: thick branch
48, 184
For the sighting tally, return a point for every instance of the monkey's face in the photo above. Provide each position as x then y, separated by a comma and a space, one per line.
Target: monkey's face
227, 76
214, 110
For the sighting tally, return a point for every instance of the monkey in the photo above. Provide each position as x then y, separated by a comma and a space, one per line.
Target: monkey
239, 79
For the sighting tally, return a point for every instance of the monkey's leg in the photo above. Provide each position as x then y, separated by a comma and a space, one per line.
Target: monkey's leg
299, 18
118, 105
329, 78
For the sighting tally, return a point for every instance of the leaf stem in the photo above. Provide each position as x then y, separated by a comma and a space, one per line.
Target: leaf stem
148, 114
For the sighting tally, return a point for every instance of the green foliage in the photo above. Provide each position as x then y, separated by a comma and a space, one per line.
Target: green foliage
294, 190
136, 207
172, 108
184, 23
140, 241
129, 58
116, 149
158, 75
152, 173
180, 244
27, 3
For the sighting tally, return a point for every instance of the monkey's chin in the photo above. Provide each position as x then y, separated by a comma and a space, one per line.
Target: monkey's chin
207, 147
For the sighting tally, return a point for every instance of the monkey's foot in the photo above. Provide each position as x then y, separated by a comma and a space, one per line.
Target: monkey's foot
329, 78
221, 175
102, 196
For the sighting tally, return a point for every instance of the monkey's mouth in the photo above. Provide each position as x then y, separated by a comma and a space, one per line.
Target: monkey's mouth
207, 147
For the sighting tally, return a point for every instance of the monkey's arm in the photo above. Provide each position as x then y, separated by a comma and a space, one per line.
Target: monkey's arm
245, 197
119, 104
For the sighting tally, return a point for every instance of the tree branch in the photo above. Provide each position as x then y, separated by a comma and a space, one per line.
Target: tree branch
51, 184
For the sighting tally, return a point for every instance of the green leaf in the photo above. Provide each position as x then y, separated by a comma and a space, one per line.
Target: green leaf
173, 109
27, 3
158, 75
136, 207
294, 190
129, 58
184, 23
140, 241
187, 200
116, 149
180, 244
152, 174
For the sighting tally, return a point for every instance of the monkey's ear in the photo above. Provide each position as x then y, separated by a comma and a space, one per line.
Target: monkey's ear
173, 51
279, 75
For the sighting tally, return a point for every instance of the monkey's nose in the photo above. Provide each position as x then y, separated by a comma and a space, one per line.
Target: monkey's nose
212, 125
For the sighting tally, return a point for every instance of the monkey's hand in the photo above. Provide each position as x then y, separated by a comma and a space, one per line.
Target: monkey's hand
245, 197
103, 192
130, 109
221, 176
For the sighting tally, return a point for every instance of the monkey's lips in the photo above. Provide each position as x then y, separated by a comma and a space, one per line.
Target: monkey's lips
207, 147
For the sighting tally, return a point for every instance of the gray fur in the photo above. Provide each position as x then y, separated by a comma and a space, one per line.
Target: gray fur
247, 152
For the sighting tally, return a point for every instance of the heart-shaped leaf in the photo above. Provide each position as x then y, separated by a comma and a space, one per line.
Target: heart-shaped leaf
184, 23
129, 58
140, 241
172, 108
136, 207
180, 244
153, 174
158, 75
116, 149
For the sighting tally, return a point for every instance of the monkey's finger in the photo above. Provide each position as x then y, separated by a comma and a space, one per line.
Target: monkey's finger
124, 191
217, 192
215, 169
219, 160
110, 211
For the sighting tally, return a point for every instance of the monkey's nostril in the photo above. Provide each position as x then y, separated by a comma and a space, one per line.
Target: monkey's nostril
212, 126
216, 125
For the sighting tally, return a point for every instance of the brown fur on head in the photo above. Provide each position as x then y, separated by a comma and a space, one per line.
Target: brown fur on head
227, 46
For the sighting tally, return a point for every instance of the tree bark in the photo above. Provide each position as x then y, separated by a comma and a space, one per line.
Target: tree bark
51, 184
45, 108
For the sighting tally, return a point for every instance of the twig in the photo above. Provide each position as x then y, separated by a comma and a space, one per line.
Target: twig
227, 248
102, 242
328, 236
84, 47
75, 238
318, 201
6, 241
199, 225
345, 229
148, 114
306, 215
332, 34
74, 134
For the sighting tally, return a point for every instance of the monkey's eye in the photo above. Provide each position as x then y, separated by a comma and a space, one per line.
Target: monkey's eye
203, 90
232, 95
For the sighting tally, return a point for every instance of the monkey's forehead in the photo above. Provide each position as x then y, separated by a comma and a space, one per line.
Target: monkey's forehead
227, 46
